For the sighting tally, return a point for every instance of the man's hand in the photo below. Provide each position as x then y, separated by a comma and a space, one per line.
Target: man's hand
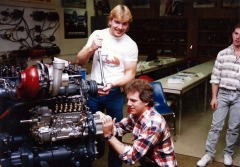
108, 125
105, 91
100, 114
214, 103
97, 43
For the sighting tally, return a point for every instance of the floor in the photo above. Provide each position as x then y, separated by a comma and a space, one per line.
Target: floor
182, 160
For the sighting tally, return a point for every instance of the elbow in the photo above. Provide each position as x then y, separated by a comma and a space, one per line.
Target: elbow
79, 61
132, 76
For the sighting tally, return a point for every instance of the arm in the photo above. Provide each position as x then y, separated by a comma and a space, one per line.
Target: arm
107, 127
214, 101
130, 71
87, 51
147, 139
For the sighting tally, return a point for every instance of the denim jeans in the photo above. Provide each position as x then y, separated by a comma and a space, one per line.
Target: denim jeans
228, 101
113, 105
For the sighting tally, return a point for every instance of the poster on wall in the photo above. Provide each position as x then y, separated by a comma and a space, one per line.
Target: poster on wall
74, 3
43, 1
228, 3
101, 7
141, 4
203, 3
171, 7
75, 23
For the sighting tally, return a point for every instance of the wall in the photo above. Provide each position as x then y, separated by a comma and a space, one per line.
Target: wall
192, 14
69, 47
218, 11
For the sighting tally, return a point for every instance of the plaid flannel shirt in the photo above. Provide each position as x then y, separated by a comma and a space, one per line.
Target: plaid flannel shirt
151, 139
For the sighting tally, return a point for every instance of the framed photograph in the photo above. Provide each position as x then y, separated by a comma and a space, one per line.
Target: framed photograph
101, 7
74, 4
230, 3
203, 3
171, 7
75, 23
43, 1
141, 4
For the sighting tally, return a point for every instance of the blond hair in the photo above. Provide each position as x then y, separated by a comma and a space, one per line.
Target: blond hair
120, 12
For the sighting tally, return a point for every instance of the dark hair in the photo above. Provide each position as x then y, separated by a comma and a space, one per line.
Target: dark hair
236, 26
144, 88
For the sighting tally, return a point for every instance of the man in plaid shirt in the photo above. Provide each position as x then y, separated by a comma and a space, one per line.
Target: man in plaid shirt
152, 144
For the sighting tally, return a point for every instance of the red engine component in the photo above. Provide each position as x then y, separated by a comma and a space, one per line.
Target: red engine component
29, 86
37, 52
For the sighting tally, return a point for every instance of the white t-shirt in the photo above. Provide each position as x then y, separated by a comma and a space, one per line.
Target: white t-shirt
114, 51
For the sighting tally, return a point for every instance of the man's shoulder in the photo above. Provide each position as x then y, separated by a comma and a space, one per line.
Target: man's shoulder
226, 50
127, 40
153, 115
126, 36
101, 32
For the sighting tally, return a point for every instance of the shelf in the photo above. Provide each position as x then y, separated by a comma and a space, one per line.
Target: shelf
162, 43
214, 35
217, 24
160, 36
213, 45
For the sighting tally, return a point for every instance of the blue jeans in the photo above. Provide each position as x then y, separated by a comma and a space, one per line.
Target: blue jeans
113, 105
228, 101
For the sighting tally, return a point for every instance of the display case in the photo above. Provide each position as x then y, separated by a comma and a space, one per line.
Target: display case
213, 35
164, 36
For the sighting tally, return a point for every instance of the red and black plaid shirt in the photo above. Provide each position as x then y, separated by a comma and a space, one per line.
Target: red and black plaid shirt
151, 139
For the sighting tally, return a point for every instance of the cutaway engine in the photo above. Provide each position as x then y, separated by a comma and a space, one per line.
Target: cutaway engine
44, 118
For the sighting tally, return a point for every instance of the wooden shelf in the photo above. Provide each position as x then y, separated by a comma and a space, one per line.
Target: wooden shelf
213, 35
160, 36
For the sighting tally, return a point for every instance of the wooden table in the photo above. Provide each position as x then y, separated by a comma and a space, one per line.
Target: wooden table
181, 88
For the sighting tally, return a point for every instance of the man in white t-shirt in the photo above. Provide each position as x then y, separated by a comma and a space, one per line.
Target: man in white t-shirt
115, 57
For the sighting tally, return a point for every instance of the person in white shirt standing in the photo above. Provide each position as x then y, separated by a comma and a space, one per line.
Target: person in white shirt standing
115, 57
225, 82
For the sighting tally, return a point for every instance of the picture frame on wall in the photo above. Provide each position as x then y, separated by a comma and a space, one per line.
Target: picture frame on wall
74, 4
171, 8
50, 2
75, 23
141, 4
230, 3
203, 3
101, 7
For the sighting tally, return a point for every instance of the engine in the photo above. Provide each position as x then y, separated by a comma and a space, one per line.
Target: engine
44, 118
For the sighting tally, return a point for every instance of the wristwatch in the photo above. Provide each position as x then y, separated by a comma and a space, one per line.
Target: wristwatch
109, 136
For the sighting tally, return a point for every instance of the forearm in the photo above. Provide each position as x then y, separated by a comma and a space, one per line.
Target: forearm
124, 80
215, 88
116, 145
84, 55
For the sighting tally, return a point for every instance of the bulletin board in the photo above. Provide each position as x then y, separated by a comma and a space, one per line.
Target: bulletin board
22, 27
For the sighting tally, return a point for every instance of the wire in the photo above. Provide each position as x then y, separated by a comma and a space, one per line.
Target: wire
56, 28
28, 40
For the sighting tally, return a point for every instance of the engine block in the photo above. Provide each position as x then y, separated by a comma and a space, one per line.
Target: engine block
44, 120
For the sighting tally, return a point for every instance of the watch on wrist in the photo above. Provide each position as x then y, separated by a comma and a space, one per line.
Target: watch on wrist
109, 136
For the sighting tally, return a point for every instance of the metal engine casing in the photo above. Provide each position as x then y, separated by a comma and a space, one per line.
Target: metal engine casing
44, 120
